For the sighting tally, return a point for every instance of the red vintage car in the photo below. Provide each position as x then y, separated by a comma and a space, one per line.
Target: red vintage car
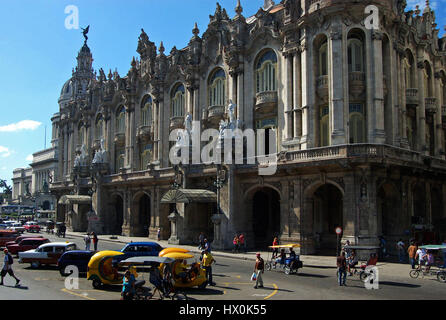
26, 244
32, 226
20, 238
6, 236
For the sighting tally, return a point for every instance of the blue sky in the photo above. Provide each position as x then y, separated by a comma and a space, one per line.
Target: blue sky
37, 54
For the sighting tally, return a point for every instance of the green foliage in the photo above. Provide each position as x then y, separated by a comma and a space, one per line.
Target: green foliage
6, 188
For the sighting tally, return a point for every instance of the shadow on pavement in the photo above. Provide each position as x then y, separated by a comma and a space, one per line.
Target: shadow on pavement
17, 287
311, 275
206, 292
220, 275
319, 267
55, 268
398, 284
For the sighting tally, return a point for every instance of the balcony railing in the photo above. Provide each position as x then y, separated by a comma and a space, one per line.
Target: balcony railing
216, 112
412, 96
322, 87
431, 105
266, 98
176, 122
356, 82
145, 132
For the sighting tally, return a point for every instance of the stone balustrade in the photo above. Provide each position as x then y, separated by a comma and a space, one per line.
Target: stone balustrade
322, 87
216, 112
412, 96
431, 105
266, 98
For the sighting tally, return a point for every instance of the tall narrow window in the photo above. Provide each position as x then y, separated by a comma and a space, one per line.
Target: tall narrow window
216, 88
178, 101
80, 134
100, 127
357, 128
119, 160
266, 72
120, 120
323, 60
324, 127
146, 111
355, 56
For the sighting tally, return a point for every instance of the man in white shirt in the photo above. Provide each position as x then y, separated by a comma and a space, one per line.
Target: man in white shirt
421, 257
87, 240
401, 247
7, 268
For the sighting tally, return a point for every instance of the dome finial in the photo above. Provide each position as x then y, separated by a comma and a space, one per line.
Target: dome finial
195, 30
238, 8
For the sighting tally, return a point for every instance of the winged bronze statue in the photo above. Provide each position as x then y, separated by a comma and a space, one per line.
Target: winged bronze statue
85, 32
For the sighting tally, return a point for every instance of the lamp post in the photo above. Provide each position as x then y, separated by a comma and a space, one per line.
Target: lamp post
218, 183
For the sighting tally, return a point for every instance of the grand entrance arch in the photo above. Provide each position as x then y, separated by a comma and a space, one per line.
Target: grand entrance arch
323, 214
140, 217
390, 222
265, 218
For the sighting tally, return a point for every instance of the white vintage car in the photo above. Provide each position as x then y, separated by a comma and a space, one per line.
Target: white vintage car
46, 254
16, 226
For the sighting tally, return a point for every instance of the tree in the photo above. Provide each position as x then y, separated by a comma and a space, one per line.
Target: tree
7, 190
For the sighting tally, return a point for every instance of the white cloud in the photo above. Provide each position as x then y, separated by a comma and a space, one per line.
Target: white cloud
21, 125
29, 157
4, 152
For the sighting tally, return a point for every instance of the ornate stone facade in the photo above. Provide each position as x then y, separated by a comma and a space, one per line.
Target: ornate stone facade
359, 116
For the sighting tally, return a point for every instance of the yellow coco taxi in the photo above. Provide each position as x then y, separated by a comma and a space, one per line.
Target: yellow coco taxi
186, 275
101, 269
169, 250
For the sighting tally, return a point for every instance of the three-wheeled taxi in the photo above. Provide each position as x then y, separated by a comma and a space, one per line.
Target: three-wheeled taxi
186, 275
290, 263
369, 257
437, 269
169, 250
101, 269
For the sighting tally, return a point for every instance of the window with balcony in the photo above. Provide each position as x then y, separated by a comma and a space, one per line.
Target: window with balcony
119, 160
357, 123
178, 101
323, 60
266, 72
355, 56
120, 120
146, 111
216, 88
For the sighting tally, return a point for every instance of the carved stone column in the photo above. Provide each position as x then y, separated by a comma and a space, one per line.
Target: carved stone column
421, 112
438, 116
297, 95
379, 135
289, 96
307, 78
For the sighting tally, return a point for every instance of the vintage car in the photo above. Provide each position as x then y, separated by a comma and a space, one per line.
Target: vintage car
26, 244
76, 258
16, 226
21, 237
32, 226
7, 236
46, 254
141, 249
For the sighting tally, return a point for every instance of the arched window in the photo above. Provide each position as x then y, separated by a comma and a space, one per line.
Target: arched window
357, 127
119, 160
178, 100
324, 127
266, 72
120, 120
323, 60
146, 156
100, 127
146, 111
355, 56
216, 88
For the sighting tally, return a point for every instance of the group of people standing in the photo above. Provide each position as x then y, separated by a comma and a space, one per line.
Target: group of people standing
239, 243
91, 237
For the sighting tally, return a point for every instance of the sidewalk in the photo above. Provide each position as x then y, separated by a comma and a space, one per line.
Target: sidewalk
308, 260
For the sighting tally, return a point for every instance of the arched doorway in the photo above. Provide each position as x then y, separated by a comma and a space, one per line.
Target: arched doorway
118, 217
140, 222
327, 216
265, 216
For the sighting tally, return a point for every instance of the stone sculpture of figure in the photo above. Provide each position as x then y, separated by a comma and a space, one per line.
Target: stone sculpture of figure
231, 115
85, 32
188, 123
81, 159
100, 156
45, 188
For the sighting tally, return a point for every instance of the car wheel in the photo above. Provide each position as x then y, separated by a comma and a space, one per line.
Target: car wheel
63, 273
441, 276
35, 264
97, 284
268, 266
287, 270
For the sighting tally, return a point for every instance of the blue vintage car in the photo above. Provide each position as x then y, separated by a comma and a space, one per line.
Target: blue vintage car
139, 249
77, 258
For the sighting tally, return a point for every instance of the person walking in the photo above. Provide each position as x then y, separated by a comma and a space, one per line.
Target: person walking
401, 247
7, 268
95, 241
207, 262
207, 245
259, 268
242, 243
341, 263
412, 252
87, 241
275, 250
201, 241
235, 242
158, 234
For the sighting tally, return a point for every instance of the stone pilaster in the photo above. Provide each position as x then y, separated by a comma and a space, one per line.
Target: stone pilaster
421, 112
378, 88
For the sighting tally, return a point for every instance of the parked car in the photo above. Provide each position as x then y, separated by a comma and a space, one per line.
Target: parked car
47, 254
77, 258
6, 236
32, 226
17, 226
137, 249
21, 237
26, 244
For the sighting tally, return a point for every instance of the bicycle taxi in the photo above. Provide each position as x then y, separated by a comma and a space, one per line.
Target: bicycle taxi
188, 275
285, 259
367, 258
436, 269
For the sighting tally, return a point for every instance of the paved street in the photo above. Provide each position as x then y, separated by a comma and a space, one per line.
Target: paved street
232, 277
